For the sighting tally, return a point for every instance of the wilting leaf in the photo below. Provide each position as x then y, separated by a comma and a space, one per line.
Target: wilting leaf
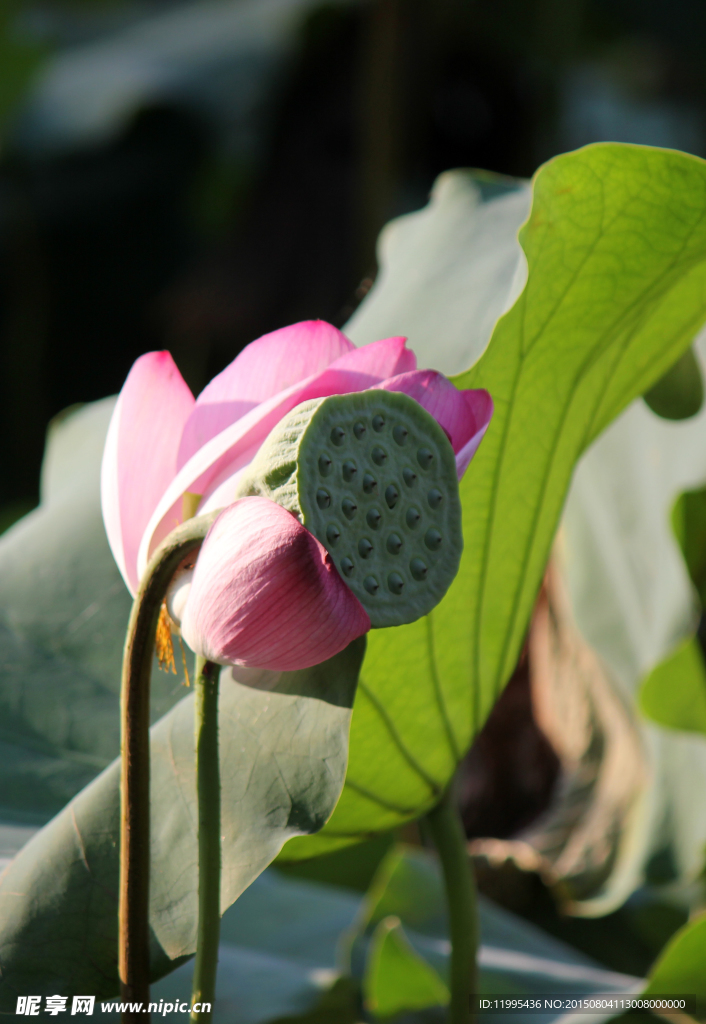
616, 286
575, 844
620, 637
632, 600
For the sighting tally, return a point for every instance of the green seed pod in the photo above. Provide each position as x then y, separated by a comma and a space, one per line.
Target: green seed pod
373, 476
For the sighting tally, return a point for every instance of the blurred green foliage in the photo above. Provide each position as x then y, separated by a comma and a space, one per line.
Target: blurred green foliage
689, 524
20, 59
680, 393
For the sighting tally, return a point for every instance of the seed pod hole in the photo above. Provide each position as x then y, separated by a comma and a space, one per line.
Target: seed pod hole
394, 544
400, 434
413, 517
359, 430
425, 458
373, 518
395, 583
432, 539
378, 423
418, 569
409, 476
333, 534
365, 548
434, 497
347, 566
371, 584
325, 464
392, 496
370, 484
349, 508
338, 436
323, 498
378, 456
349, 470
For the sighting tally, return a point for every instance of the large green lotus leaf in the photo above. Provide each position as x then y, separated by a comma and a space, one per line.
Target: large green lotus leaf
283, 758
63, 615
616, 290
277, 955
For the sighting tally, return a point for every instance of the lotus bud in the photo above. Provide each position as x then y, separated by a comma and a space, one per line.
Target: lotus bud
264, 593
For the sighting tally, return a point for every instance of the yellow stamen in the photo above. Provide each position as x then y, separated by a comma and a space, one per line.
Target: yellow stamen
163, 641
187, 681
189, 504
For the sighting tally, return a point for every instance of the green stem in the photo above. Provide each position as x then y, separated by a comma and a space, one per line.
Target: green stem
133, 908
208, 785
445, 826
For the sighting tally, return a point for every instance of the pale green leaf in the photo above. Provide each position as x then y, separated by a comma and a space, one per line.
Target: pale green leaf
635, 607
449, 271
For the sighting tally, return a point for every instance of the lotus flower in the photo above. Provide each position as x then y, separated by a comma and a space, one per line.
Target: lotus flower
264, 592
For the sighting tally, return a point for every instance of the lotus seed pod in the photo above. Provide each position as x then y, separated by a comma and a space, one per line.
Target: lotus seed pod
373, 476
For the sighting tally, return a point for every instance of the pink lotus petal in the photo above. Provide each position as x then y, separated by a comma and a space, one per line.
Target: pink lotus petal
482, 407
139, 460
236, 446
265, 367
464, 415
381, 359
265, 593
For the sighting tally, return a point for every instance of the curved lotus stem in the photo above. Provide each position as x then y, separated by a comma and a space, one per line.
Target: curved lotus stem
133, 912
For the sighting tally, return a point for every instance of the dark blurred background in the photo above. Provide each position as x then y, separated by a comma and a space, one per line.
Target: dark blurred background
191, 175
